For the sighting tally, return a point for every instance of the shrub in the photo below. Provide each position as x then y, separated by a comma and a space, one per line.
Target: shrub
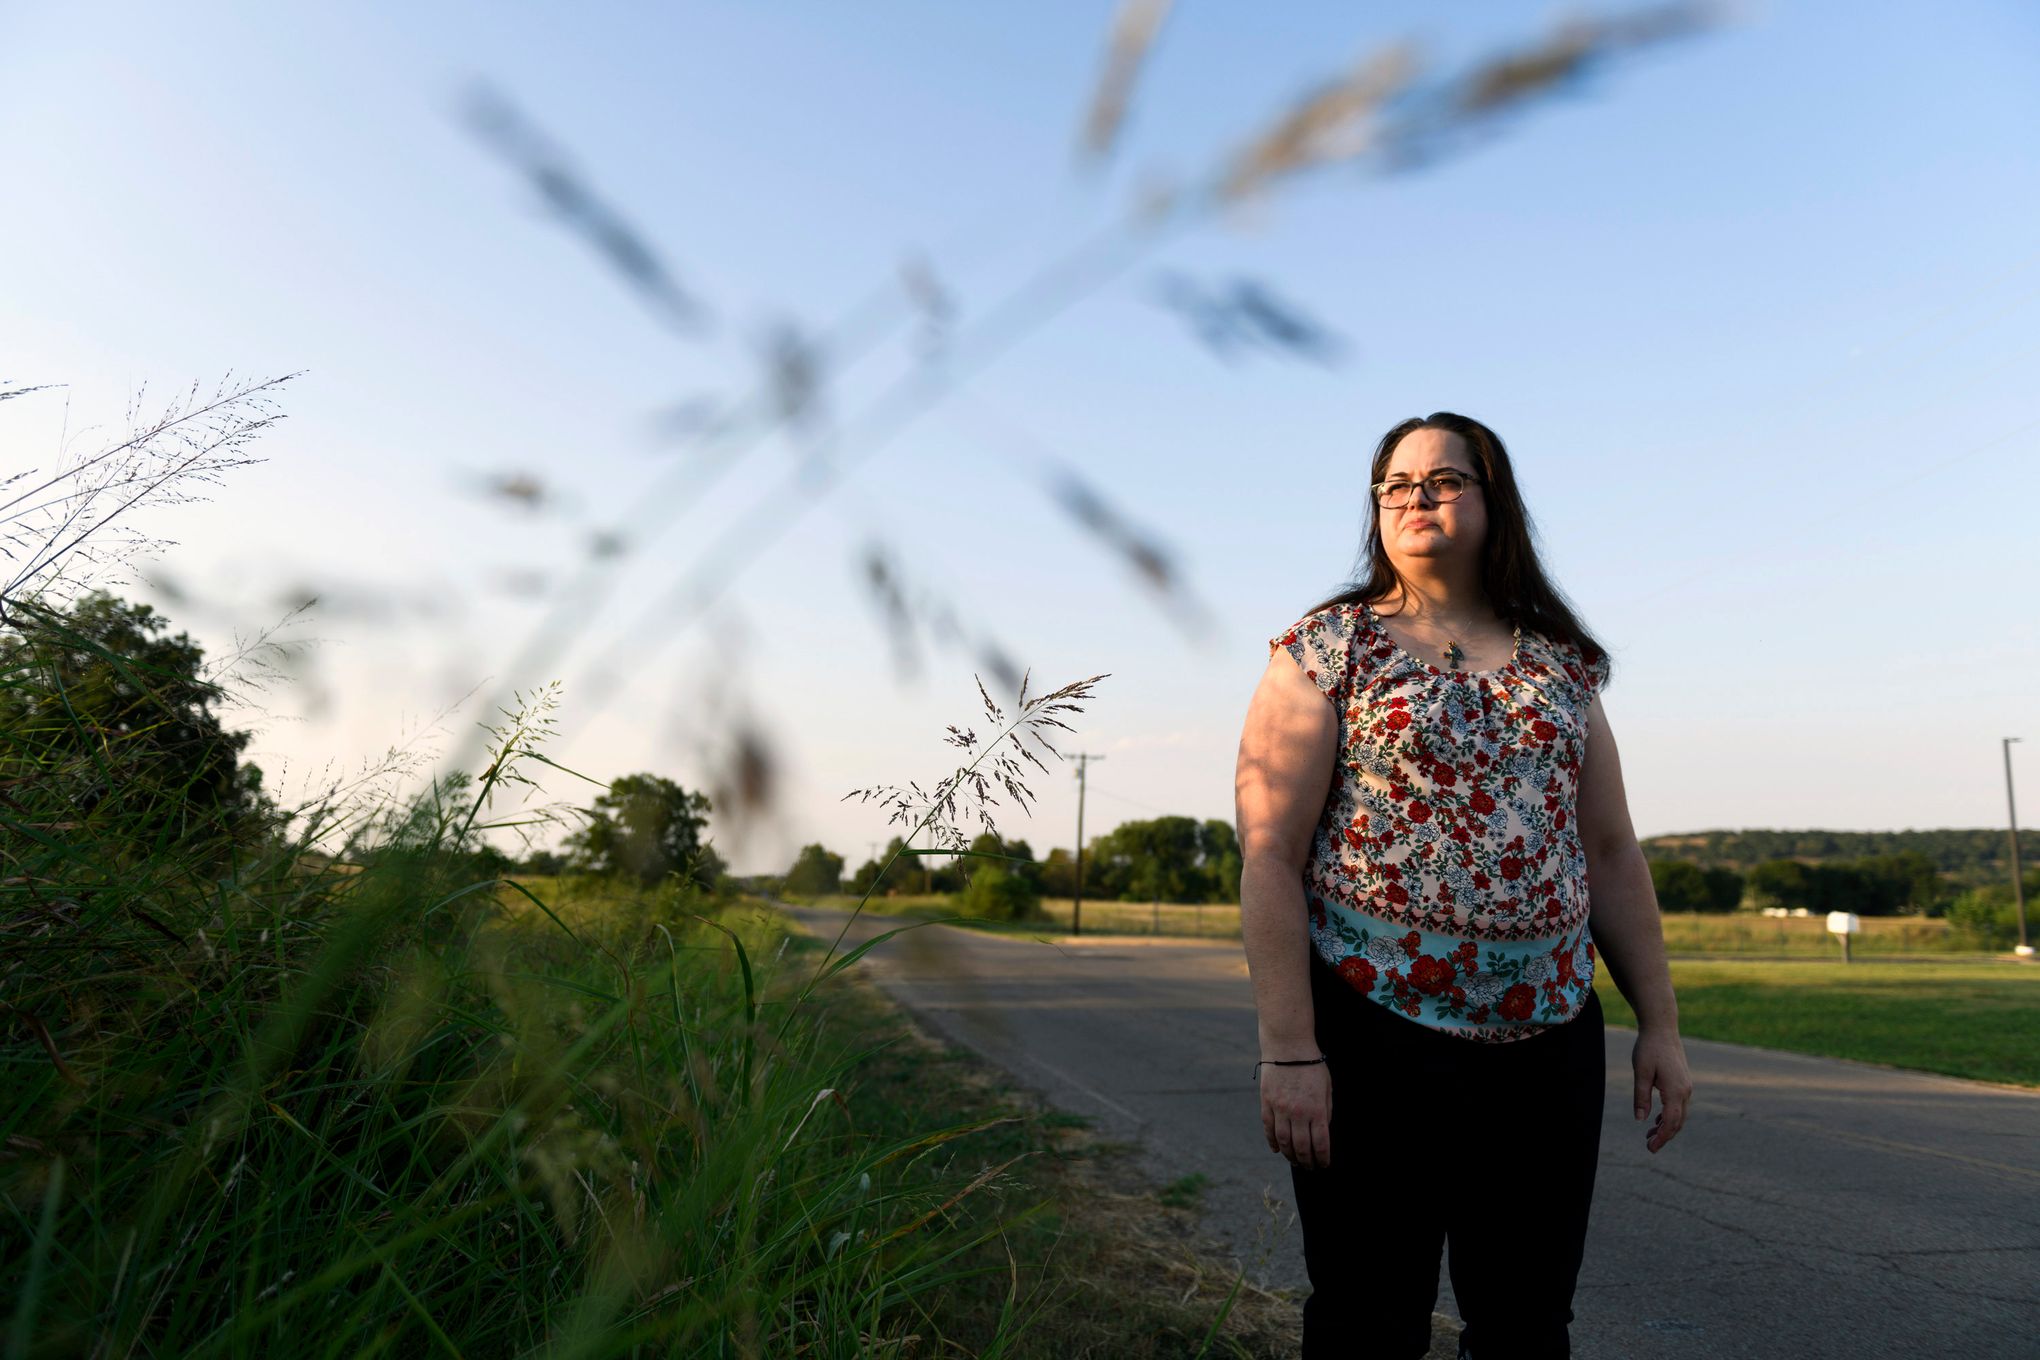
996, 893
1680, 885
1988, 918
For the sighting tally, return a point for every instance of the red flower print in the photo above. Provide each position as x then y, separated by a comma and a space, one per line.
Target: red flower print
1445, 775
1410, 943
1512, 868
1397, 720
1516, 1002
1397, 894
1565, 968
1420, 812
1590, 951
1482, 881
1467, 956
1431, 975
1462, 835
1559, 821
1479, 1016
1398, 702
1482, 803
1357, 971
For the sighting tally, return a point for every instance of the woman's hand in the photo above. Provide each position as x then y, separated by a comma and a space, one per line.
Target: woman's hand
1296, 1113
1659, 1058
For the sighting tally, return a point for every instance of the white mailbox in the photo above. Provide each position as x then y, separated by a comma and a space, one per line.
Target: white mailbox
1844, 925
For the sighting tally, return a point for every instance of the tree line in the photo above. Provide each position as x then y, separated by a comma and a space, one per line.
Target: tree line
1966, 855
1876, 885
102, 698
1183, 859
1162, 859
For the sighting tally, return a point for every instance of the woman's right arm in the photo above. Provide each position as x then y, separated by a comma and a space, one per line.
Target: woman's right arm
1285, 772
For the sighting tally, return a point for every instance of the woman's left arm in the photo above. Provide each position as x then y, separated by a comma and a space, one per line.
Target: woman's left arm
1628, 935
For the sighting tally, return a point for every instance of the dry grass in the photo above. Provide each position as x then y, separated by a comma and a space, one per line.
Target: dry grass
1132, 1275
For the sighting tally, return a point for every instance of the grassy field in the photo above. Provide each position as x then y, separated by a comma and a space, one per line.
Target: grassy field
1211, 921
1962, 1014
384, 1113
1699, 933
1966, 1019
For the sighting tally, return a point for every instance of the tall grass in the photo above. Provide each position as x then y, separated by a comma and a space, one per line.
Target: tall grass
262, 1104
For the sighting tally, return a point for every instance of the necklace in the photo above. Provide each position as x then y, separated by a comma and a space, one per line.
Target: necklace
1454, 654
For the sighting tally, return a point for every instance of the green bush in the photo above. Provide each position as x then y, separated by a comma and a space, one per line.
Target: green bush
1679, 884
277, 1101
1682, 885
996, 893
1987, 916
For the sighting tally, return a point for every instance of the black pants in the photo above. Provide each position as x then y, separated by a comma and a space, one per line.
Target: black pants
1437, 1139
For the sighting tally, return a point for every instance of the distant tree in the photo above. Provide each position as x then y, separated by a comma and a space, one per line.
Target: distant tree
1987, 917
1782, 883
1059, 873
904, 876
1907, 881
1963, 855
1724, 888
948, 876
543, 862
1150, 861
1843, 887
644, 828
1023, 852
1680, 885
1218, 851
1000, 889
108, 714
815, 872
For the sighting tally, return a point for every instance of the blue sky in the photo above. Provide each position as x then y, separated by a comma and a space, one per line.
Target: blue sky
1752, 311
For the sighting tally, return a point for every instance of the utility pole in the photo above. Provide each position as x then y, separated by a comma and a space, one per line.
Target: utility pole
1077, 906
2024, 950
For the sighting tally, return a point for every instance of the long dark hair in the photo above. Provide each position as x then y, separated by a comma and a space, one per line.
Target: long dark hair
1510, 573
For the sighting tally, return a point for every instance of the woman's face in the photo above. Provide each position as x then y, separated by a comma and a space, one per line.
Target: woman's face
1426, 530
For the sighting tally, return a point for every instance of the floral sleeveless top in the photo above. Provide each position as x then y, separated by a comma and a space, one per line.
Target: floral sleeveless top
1446, 878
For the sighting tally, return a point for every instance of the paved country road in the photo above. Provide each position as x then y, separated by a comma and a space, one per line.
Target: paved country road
1811, 1208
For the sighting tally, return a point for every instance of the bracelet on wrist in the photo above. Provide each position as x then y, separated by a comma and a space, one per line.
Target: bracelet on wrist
1286, 1062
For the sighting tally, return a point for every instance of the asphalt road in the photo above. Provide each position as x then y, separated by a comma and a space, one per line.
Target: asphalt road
1811, 1207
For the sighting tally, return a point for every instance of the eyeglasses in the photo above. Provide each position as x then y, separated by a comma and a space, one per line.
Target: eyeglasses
1439, 486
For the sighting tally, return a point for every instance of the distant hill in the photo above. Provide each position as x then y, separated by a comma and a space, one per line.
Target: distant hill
1961, 853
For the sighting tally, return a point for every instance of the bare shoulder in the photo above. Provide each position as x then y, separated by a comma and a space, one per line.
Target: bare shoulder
1288, 749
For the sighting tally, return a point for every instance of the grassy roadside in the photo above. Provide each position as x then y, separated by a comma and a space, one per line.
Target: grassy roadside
1967, 1019
386, 1114
1110, 1264
1698, 934
1960, 1015
1218, 921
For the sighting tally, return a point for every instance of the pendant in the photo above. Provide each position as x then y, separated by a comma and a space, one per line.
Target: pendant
1453, 656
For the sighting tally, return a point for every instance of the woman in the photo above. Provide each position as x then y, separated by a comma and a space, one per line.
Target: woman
1417, 918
